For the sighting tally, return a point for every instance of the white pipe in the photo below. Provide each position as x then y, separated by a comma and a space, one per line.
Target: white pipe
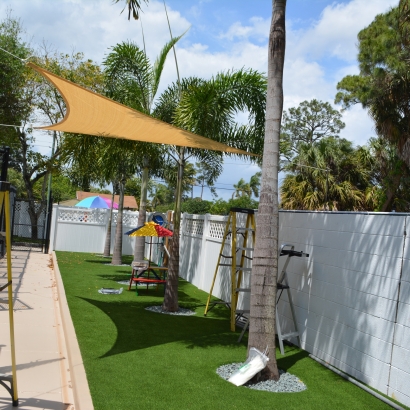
355, 382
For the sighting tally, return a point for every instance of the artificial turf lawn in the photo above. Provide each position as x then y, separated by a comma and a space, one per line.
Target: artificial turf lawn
136, 359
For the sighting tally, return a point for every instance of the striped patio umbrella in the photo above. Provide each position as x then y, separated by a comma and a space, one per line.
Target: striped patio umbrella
150, 229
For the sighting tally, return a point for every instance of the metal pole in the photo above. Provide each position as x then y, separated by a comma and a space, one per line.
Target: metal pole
5, 199
50, 179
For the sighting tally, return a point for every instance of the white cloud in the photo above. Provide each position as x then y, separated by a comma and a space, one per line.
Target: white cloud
258, 28
335, 33
94, 25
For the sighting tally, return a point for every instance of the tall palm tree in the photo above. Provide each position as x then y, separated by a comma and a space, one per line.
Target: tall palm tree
208, 108
265, 257
134, 7
133, 81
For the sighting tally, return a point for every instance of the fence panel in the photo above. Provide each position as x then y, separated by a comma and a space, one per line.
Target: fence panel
351, 295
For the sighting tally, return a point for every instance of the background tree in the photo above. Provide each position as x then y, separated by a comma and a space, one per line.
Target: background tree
329, 174
27, 99
196, 206
160, 195
262, 328
206, 175
222, 207
390, 177
306, 124
242, 188
14, 107
255, 183
383, 85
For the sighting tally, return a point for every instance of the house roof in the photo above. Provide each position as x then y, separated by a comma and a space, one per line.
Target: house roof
129, 201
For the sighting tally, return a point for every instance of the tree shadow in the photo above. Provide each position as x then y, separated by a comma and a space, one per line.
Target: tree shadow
137, 328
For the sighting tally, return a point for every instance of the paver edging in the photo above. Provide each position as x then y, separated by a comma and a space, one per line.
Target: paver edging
82, 395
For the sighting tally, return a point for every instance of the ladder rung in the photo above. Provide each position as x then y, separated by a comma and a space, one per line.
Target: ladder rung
242, 289
242, 311
225, 264
243, 269
238, 248
290, 335
281, 286
245, 229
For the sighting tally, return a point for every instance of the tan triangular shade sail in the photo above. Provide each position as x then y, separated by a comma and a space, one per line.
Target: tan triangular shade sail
92, 114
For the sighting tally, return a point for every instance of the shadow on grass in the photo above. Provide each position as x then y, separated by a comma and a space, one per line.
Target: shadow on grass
138, 328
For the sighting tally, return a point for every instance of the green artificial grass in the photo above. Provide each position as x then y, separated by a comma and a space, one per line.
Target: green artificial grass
136, 359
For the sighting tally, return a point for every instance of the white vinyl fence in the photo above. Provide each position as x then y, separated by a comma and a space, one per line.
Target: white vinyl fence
352, 295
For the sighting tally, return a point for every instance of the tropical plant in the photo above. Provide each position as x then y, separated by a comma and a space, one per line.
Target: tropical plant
134, 7
160, 195
208, 108
206, 175
255, 183
262, 330
329, 174
242, 188
188, 179
133, 81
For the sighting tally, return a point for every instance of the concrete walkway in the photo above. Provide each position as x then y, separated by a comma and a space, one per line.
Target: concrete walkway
47, 353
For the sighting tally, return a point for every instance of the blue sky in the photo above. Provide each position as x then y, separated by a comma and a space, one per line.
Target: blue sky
223, 34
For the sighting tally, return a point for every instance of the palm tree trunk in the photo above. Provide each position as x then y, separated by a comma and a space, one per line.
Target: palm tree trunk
139, 247
107, 245
265, 258
171, 293
117, 254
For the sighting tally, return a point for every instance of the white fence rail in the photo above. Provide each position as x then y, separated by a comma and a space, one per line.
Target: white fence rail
352, 295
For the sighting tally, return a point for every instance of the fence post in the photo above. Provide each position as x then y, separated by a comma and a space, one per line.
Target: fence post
53, 228
205, 232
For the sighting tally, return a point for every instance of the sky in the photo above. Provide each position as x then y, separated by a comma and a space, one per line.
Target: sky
222, 35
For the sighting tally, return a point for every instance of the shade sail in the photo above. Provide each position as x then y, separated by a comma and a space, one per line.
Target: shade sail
92, 114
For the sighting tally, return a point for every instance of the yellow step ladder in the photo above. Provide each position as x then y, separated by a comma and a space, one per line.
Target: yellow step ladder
240, 252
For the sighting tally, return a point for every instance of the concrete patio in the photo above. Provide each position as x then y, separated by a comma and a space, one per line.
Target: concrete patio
49, 375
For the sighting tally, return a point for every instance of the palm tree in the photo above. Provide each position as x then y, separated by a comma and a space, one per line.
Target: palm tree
208, 108
134, 6
265, 258
328, 174
133, 81
242, 188
255, 183
206, 176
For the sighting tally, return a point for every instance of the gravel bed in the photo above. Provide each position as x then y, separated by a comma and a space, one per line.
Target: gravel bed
287, 383
180, 312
